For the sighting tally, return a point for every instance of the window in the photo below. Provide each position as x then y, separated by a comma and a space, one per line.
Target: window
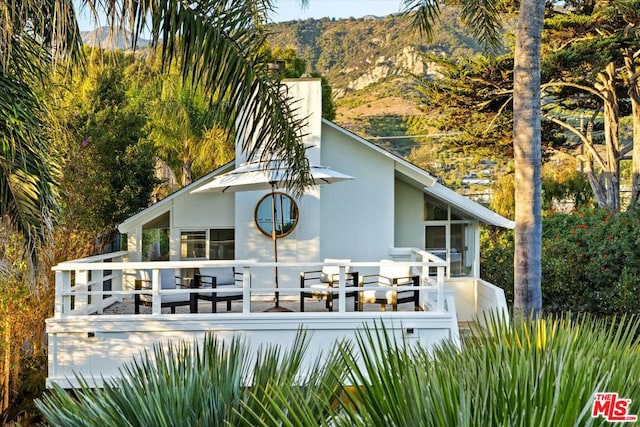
285, 210
155, 244
193, 245
221, 244
434, 211
435, 237
214, 244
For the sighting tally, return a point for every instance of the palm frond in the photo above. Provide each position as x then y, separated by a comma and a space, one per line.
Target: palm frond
424, 13
483, 18
27, 171
218, 45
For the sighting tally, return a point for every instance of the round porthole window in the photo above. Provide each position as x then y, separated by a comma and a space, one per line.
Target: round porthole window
276, 211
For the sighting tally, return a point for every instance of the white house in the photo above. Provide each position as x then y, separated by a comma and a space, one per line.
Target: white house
390, 210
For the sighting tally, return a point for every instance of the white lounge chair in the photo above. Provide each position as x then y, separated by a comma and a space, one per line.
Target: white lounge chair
390, 275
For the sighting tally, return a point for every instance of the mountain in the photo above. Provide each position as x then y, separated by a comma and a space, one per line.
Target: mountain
370, 63
106, 39
354, 53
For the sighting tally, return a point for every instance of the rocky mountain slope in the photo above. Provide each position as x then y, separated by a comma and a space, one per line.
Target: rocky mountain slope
370, 63
111, 40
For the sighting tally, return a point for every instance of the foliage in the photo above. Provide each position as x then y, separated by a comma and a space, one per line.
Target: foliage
108, 168
496, 259
28, 170
25, 301
563, 188
543, 372
184, 129
589, 262
540, 373
562, 183
503, 199
207, 385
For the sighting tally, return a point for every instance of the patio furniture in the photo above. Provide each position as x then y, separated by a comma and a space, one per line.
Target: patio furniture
218, 278
168, 280
323, 284
390, 275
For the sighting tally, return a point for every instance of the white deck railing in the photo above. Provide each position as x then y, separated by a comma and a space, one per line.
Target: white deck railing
89, 285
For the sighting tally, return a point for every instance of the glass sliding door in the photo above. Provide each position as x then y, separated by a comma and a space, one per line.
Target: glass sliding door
450, 236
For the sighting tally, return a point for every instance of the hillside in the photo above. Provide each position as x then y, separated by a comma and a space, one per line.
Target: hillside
369, 62
110, 40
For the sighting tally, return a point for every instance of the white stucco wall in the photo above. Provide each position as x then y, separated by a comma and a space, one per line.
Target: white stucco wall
409, 216
203, 210
303, 243
357, 215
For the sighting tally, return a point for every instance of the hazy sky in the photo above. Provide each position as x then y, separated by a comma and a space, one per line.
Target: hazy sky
287, 10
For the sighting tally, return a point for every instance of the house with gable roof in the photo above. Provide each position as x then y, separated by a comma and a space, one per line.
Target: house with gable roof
389, 214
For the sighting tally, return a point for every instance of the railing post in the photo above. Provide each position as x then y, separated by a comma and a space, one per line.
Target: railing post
246, 289
342, 303
61, 306
440, 279
156, 298
81, 298
97, 280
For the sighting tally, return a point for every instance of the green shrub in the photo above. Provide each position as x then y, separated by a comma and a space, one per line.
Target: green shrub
590, 262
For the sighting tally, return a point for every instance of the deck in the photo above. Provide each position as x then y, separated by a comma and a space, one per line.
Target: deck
95, 330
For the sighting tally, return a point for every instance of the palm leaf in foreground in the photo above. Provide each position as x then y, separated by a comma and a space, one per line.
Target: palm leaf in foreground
542, 373
212, 384
219, 46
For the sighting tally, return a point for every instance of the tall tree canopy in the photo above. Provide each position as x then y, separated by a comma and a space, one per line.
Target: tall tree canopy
218, 45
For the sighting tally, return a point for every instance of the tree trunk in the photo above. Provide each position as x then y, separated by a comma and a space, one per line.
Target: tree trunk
634, 95
607, 86
528, 158
186, 172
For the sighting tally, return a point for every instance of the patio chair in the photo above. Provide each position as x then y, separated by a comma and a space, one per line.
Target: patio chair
218, 278
323, 284
168, 280
390, 275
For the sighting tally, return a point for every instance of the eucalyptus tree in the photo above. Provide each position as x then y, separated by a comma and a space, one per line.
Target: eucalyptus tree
483, 18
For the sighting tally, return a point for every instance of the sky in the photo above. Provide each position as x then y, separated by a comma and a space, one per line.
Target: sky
288, 10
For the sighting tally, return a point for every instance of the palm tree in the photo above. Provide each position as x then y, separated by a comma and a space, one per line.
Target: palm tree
218, 44
183, 127
483, 17
528, 158
30, 41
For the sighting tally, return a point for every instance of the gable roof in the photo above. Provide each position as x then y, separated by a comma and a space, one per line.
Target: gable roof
164, 205
408, 170
431, 185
